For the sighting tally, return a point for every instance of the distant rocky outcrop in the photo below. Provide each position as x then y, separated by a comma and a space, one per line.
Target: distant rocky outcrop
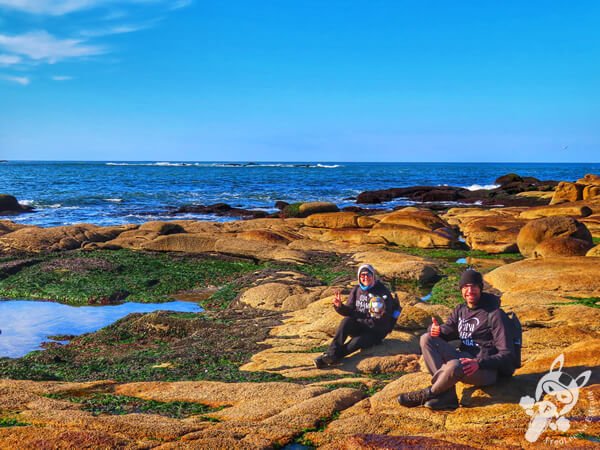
505, 194
10, 205
221, 210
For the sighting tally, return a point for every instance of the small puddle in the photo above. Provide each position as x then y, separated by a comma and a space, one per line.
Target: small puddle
26, 325
426, 298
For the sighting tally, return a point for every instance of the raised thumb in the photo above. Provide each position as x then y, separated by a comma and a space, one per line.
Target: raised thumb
434, 321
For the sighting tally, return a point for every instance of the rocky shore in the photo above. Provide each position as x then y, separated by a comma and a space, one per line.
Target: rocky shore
240, 375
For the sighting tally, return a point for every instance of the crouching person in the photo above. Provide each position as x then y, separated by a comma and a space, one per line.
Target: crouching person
485, 347
371, 313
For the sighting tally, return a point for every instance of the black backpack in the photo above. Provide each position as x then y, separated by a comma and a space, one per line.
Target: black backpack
514, 332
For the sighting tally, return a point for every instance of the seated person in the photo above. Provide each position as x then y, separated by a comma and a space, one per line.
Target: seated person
371, 314
485, 349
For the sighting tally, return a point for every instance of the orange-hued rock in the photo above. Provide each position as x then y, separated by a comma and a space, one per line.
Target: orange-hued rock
6, 226
561, 246
413, 217
332, 220
566, 209
189, 243
565, 275
594, 251
592, 223
567, 192
398, 265
407, 236
308, 208
493, 234
539, 230
357, 236
34, 239
267, 236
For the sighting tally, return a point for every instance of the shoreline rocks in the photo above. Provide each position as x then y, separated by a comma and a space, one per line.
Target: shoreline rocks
9, 206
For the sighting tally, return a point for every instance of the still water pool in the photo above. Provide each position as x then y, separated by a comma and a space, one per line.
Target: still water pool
26, 324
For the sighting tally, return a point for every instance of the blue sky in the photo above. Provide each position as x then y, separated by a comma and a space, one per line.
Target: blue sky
296, 81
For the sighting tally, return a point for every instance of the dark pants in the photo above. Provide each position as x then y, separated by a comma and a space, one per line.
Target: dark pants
442, 361
361, 337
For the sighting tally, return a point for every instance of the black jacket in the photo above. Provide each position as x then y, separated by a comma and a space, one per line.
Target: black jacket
489, 345
357, 306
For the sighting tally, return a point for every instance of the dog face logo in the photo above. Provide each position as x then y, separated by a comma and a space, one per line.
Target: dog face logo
562, 391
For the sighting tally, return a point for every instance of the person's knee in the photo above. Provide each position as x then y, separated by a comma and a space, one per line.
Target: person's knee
426, 340
455, 369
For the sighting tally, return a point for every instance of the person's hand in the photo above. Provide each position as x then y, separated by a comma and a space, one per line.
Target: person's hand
435, 328
469, 366
337, 299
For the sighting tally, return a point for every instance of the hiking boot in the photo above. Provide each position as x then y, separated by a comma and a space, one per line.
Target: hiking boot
415, 398
445, 400
323, 361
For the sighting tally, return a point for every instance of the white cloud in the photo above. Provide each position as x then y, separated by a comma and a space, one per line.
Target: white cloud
117, 29
61, 7
179, 4
9, 60
23, 81
41, 45
51, 7
62, 78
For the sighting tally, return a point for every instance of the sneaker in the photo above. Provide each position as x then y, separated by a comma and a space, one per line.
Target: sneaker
446, 400
323, 361
415, 398
319, 362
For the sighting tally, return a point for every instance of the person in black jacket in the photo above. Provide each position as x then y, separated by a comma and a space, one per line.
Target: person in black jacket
484, 347
370, 314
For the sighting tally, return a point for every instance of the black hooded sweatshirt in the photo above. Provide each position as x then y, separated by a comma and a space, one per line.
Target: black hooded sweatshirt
357, 306
490, 346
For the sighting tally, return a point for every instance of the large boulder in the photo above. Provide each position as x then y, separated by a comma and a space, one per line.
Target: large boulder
413, 217
398, 265
566, 209
492, 234
539, 230
332, 220
266, 236
567, 192
307, 208
6, 226
567, 275
35, 239
408, 236
585, 188
561, 246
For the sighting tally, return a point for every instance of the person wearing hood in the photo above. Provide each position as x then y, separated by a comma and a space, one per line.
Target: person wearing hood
370, 314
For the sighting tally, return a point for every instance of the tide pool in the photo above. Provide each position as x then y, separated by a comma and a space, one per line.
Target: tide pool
26, 324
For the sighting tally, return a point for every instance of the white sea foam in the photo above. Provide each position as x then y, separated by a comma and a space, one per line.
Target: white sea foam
478, 187
113, 200
27, 202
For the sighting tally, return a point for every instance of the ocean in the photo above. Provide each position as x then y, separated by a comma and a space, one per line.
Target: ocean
115, 192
